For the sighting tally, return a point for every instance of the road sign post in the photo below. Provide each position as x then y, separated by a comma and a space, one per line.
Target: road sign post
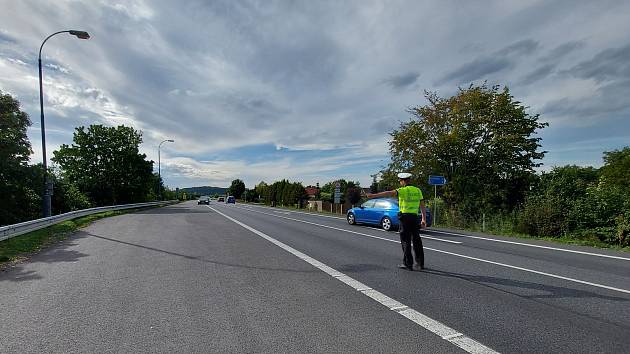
337, 194
436, 181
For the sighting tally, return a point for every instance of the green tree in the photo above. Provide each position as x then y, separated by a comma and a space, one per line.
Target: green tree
237, 188
328, 189
299, 194
105, 164
481, 139
616, 169
580, 202
260, 191
353, 195
18, 187
374, 186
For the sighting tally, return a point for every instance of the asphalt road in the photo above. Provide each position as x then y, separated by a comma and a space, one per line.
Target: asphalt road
239, 278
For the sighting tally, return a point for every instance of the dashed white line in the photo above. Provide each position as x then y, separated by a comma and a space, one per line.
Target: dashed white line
446, 333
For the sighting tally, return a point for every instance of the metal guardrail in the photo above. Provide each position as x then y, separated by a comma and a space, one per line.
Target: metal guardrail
9, 231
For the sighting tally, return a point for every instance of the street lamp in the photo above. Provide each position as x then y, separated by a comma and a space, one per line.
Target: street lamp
160, 166
47, 184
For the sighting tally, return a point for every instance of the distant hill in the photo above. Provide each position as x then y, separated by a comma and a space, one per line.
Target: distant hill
204, 190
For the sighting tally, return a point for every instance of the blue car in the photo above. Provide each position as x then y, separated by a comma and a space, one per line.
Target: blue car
379, 211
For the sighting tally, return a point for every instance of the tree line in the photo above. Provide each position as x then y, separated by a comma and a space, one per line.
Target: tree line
103, 166
286, 193
279, 193
486, 145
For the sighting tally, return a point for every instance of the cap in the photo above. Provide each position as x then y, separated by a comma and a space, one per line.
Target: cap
404, 175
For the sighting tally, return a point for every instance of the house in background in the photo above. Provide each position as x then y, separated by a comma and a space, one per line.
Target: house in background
312, 192
313, 204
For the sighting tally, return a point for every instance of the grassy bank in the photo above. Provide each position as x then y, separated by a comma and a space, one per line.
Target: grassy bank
20, 247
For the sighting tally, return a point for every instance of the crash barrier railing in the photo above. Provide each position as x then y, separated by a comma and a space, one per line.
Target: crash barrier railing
9, 231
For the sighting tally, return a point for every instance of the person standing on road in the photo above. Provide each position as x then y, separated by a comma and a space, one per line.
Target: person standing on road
410, 202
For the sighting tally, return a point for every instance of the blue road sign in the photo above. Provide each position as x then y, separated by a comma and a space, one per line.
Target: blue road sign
437, 180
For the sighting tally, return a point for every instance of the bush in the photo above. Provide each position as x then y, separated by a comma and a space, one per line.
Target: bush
542, 216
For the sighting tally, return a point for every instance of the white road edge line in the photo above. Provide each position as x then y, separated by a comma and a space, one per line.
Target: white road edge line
448, 334
345, 230
530, 245
460, 255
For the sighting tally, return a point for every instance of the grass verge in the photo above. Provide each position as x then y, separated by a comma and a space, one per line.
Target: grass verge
20, 247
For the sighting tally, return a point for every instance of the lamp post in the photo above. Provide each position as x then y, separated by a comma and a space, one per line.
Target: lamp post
160, 166
47, 185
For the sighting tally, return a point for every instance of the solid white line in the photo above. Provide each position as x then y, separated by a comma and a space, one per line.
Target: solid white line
461, 255
448, 334
375, 228
532, 271
340, 229
530, 245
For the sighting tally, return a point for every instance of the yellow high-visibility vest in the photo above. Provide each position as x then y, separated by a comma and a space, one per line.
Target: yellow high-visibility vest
409, 198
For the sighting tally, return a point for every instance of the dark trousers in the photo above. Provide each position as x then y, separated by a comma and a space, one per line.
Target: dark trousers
410, 233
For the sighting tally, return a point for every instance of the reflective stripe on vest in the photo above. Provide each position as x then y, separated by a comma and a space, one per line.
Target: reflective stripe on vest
409, 198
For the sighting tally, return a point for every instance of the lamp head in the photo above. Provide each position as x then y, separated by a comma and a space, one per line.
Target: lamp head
80, 34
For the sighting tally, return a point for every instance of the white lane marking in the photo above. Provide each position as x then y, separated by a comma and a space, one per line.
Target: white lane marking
533, 271
438, 239
464, 256
530, 245
445, 332
301, 212
375, 228
282, 212
340, 229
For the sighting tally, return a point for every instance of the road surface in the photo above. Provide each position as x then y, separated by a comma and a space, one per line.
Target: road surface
242, 278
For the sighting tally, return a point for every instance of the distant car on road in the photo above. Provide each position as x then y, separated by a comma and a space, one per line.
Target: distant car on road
230, 199
379, 211
221, 199
203, 200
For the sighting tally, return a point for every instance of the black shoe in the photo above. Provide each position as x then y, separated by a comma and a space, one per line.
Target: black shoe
402, 266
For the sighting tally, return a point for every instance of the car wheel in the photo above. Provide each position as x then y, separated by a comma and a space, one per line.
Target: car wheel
351, 219
386, 223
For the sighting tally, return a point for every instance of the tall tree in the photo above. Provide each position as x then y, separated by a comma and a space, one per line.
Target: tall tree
105, 164
374, 185
616, 169
237, 188
18, 193
481, 139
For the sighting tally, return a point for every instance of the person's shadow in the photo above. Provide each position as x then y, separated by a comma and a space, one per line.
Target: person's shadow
545, 291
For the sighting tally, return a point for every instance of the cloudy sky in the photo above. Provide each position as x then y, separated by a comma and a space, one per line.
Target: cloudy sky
308, 90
